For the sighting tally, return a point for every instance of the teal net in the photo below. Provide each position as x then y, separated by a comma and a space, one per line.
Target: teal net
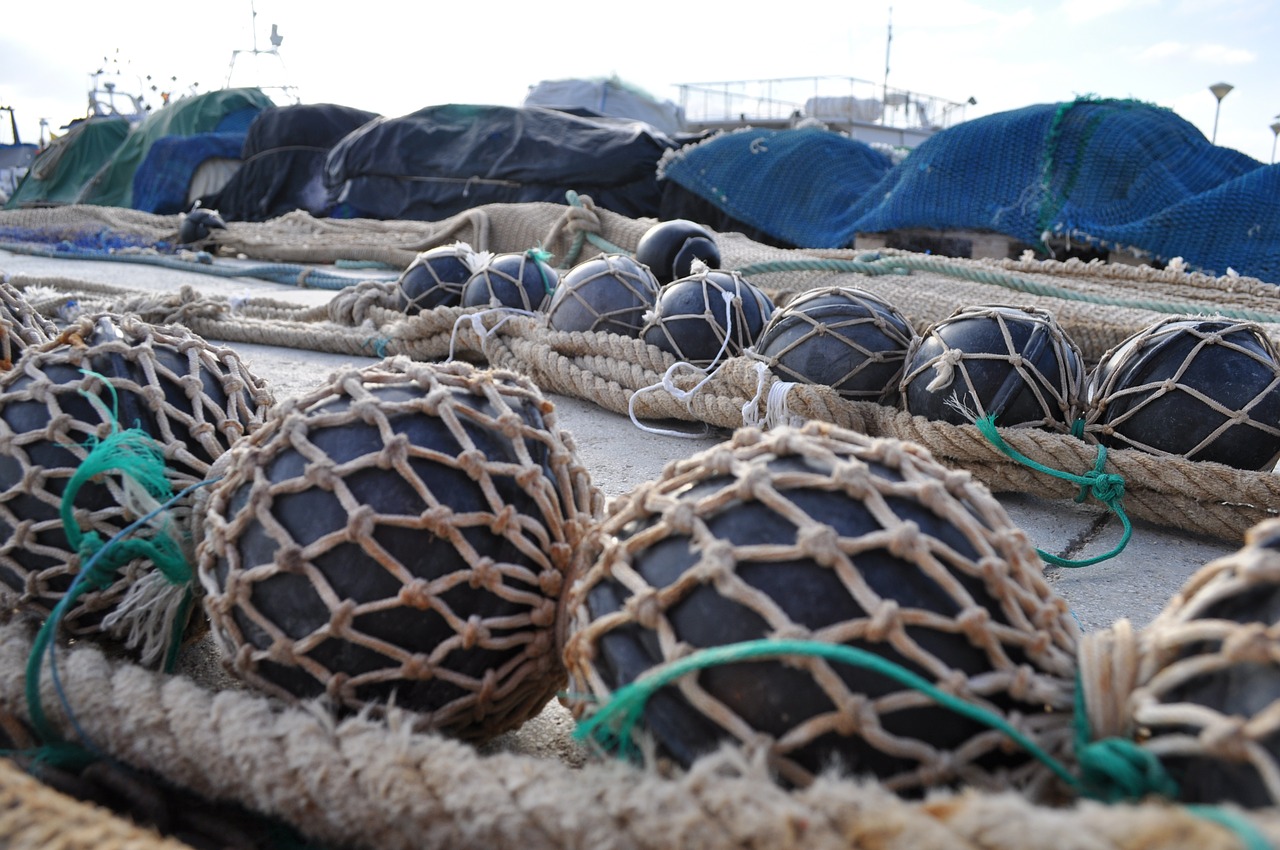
1103, 174
796, 186
1110, 173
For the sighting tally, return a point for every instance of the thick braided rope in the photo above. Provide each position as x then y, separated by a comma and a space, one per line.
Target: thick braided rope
361, 783
33, 816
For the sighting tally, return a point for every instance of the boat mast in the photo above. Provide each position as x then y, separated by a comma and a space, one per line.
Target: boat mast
888, 43
285, 88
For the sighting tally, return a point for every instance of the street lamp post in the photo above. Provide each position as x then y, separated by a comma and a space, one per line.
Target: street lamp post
1220, 90
1275, 131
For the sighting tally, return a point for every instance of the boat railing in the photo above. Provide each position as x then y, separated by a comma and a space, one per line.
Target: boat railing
833, 100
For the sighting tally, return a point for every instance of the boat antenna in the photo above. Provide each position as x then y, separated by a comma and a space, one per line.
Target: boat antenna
277, 39
888, 42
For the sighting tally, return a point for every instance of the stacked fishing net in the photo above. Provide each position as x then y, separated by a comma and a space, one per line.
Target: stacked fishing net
402, 534
100, 428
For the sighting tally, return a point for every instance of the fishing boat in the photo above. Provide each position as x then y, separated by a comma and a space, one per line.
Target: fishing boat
15, 156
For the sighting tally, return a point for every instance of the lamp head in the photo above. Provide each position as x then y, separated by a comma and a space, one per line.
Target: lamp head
1221, 90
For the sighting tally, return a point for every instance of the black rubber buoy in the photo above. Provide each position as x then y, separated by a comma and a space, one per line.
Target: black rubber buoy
707, 316
1203, 389
1016, 364
845, 338
521, 281
610, 293
401, 535
669, 249
435, 278
1212, 681
109, 373
823, 536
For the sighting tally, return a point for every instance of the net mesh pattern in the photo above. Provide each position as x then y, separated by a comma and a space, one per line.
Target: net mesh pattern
1200, 685
401, 534
1218, 379
608, 293
21, 326
756, 175
1029, 378
840, 336
1114, 173
880, 501
193, 398
707, 315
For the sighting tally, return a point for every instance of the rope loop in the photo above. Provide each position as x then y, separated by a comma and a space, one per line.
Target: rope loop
1108, 488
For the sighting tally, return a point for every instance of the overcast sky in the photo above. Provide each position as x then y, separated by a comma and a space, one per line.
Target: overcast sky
394, 58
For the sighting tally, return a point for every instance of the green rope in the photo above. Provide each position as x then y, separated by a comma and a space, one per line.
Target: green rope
542, 258
1107, 488
1112, 770
1116, 770
612, 725
135, 455
908, 264
1250, 836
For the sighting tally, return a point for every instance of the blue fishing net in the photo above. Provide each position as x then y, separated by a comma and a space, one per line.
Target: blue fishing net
162, 181
73, 240
1106, 173
1113, 173
795, 185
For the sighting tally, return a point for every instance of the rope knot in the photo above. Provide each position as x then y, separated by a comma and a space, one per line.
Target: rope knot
1114, 770
1106, 487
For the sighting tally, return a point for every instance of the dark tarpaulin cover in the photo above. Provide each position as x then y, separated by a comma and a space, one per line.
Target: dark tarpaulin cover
284, 157
443, 160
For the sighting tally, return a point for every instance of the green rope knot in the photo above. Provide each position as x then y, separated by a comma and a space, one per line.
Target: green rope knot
1116, 770
1106, 487
542, 258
